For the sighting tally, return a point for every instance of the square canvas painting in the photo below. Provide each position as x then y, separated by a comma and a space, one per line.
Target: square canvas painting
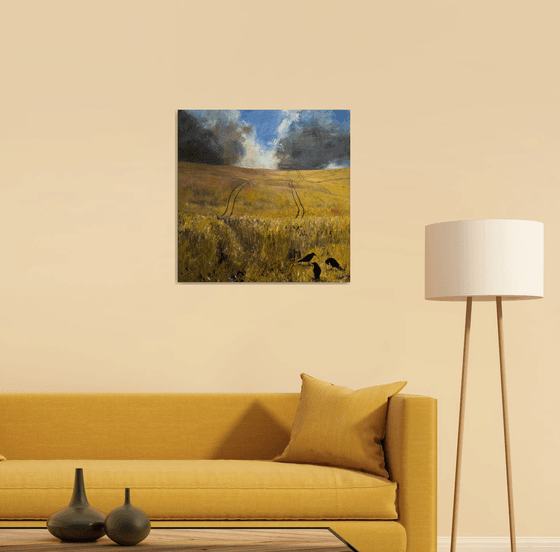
263, 196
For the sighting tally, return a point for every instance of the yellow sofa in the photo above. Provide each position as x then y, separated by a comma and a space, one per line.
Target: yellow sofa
203, 460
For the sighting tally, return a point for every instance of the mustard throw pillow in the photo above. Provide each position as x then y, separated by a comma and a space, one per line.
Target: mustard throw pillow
2, 458
337, 426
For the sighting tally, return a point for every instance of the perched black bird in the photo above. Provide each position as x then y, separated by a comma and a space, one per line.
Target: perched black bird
316, 272
307, 258
334, 263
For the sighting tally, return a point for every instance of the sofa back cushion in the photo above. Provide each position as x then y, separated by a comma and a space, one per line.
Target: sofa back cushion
160, 426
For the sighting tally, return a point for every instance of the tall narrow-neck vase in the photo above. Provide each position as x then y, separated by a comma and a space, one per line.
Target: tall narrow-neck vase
78, 522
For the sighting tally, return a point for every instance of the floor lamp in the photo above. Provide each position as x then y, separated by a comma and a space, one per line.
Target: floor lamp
484, 260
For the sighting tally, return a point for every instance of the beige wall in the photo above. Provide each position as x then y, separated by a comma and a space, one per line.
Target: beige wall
455, 113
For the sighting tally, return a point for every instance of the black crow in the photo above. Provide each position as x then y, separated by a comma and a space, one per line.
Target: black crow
316, 272
307, 258
334, 263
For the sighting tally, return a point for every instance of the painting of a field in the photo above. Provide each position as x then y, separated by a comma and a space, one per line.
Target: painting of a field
241, 221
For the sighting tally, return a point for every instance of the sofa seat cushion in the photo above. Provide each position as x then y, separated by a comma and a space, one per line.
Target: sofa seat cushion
198, 489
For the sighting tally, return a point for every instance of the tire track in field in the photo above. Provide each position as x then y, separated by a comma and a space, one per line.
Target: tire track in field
237, 188
316, 182
293, 196
297, 199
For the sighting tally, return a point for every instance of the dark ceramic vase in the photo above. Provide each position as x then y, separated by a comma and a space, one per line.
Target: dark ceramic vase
78, 522
127, 524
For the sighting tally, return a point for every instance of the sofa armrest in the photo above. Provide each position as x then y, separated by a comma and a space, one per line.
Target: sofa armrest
411, 457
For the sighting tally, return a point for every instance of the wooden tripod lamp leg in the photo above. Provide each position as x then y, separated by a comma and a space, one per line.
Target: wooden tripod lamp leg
461, 420
506, 424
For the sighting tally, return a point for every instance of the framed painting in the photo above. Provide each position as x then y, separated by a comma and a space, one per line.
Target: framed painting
263, 196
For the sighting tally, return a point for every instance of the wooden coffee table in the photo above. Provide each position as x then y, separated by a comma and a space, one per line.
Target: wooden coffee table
160, 539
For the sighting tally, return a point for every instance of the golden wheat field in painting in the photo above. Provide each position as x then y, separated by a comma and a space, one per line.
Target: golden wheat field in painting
257, 225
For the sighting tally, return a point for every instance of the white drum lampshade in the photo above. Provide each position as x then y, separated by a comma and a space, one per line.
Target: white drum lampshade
484, 259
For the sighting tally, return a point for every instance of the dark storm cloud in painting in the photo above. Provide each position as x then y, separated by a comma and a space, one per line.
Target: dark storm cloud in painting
272, 139
314, 142
216, 140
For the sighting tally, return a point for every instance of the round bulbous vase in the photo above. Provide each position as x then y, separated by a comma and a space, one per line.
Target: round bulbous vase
78, 522
127, 525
